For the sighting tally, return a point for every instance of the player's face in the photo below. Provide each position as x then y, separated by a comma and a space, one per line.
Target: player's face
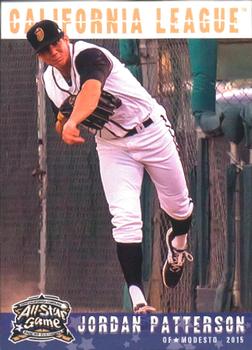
57, 54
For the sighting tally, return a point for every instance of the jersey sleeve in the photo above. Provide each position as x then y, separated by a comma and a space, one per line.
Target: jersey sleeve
93, 64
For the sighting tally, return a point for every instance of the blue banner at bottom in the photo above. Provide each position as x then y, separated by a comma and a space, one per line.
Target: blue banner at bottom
121, 331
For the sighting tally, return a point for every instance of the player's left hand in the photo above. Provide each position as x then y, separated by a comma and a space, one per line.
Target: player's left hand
71, 133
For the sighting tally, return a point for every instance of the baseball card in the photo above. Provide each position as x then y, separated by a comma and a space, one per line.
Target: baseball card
126, 138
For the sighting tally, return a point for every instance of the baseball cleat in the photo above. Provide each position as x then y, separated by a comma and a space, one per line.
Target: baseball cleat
174, 264
143, 309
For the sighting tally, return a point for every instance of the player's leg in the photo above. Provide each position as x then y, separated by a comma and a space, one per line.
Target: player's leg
165, 169
122, 179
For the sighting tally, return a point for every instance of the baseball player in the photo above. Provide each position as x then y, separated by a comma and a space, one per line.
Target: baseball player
132, 133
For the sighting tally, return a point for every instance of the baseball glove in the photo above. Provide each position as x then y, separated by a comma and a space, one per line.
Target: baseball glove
105, 109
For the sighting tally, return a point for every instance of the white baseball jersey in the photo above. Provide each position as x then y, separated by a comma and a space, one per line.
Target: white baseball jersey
137, 103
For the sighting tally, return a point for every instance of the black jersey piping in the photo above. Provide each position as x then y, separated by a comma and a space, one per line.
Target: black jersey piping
56, 83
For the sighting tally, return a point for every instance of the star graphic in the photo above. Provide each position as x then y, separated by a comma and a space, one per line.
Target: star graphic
176, 340
135, 338
19, 327
126, 344
74, 322
86, 344
219, 344
190, 347
174, 346
42, 345
72, 346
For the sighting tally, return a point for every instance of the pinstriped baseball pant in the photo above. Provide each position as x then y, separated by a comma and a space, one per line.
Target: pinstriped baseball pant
122, 163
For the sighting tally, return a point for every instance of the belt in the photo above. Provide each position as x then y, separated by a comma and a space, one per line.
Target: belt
138, 128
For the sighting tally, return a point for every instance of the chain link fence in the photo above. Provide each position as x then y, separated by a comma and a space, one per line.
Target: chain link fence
167, 76
80, 257
169, 79
233, 93
19, 200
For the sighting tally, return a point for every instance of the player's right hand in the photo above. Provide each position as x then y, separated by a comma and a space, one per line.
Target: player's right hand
71, 133
59, 127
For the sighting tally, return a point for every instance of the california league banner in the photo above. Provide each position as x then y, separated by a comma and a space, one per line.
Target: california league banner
131, 19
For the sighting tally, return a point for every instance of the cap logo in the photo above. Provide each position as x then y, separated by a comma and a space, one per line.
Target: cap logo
40, 34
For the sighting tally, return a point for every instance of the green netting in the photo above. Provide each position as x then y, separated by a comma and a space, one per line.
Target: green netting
203, 57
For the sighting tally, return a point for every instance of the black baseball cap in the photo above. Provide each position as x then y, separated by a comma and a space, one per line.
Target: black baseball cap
43, 34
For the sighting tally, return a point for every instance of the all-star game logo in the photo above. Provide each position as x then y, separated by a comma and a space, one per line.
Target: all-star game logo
41, 318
